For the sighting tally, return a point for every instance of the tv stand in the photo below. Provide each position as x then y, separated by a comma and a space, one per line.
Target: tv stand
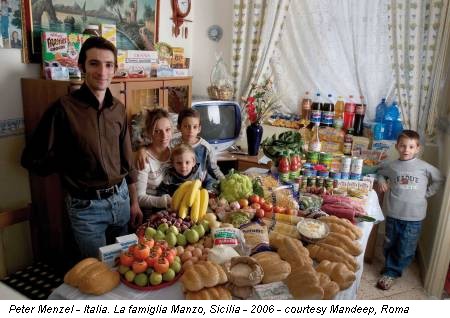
227, 161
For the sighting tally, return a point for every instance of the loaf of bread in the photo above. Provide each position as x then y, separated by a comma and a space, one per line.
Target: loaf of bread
330, 288
274, 268
92, 277
343, 241
338, 273
203, 274
303, 283
322, 251
332, 219
244, 271
72, 277
337, 228
212, 293
293, 252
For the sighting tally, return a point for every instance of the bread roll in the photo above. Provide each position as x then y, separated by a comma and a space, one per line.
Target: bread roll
322, 251
203, 274
293, 252
338, 273
303, 283
212, 293
332, 219
73, 275
274, 268
330, 288
343, 241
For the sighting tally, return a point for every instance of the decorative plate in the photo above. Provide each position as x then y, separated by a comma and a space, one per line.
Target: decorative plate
164, 50
215, 33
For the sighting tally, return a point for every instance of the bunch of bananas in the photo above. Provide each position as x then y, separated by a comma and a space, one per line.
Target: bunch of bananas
190, 195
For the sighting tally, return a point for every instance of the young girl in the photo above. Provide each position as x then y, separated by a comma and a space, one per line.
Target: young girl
184, 167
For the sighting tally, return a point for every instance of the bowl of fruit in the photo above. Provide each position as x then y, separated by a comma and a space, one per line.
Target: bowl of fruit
149, 265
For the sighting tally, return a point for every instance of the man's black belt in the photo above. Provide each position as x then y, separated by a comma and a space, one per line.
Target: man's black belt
98, 194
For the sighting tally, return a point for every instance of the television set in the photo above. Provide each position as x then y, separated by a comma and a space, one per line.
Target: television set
220, 121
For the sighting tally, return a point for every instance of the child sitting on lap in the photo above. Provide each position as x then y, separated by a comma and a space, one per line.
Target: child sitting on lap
184, 167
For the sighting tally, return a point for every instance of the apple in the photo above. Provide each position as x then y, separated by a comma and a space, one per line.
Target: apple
169, 275
129, 276
181, 239
176, 267
173, 229
199, 229
149, 232
155, 278
159, 236
171, 239
163, 227
205, 224
192, 236
123, 269
141, 279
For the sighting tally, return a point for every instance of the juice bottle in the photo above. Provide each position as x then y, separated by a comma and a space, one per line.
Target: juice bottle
284, 167
339, 112
349, 113
314, 144
305, 107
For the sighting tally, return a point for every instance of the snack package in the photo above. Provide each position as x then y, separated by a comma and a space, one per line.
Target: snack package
256, 237
231, 237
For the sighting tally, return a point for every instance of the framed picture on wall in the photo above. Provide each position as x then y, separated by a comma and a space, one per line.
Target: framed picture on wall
136, 21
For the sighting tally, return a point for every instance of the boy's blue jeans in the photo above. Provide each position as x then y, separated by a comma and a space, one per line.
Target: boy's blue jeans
93, 220
400, 245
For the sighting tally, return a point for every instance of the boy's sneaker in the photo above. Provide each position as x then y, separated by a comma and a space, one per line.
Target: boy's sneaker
385, 282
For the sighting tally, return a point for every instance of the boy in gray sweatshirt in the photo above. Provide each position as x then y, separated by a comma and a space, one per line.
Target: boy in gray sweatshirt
410, 181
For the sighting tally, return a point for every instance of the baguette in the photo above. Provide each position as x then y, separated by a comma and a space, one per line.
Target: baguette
338, 273
341, 240
344, 222
322, 251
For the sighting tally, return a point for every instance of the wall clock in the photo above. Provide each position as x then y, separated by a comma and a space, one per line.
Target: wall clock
180, 9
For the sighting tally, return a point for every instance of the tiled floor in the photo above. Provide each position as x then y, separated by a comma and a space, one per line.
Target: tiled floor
409, 286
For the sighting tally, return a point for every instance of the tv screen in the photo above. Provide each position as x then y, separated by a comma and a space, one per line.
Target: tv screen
220, 120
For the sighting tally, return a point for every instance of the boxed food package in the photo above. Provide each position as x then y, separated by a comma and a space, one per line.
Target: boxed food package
388, 146
359, 144
331, 134
272, 291
177, 57
127, 240
110, 254
137, 63
60, 50
109, 32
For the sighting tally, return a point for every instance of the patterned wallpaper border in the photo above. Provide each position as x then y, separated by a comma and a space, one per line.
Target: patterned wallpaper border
11, 127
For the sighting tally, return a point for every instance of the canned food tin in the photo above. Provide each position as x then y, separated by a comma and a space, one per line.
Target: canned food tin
329, 184
304, 184
346, 163
335, 175
356, 165
326, 158
319, 182
307, 165
307, 172
355, 176
323, 173
312, 157
313, 172
345, 175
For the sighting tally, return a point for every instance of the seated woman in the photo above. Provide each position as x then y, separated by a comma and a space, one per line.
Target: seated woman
159, 131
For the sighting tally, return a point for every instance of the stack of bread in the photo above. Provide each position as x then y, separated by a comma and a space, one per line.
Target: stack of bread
91, 276
204, 280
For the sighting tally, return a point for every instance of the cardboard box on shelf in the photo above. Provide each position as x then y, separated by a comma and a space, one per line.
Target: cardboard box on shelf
137, 63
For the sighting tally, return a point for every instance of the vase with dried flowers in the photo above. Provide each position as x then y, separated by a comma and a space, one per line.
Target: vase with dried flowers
259, 105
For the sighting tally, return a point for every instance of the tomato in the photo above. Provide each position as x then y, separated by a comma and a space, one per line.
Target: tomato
147, 242
279, 209
141, 252
243, 203
139, 266
267, 207
254, 198
157, 249
161, 265
259, 213
255, 206
126, 259
169, 256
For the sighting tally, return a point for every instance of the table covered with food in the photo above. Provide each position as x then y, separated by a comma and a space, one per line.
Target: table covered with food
264, 235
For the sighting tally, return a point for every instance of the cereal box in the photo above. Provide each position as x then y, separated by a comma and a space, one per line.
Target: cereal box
137, 63
109, 32
60, 49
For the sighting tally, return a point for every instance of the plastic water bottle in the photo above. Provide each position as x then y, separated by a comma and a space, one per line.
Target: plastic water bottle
381, 108
398, 127
391, 115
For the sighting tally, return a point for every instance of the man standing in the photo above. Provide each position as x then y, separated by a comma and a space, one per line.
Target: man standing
84, 137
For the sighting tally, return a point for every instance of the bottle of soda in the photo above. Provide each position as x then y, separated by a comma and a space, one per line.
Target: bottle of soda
327, 113
316, 110
360, 111
284, 167
349, 113
305, 107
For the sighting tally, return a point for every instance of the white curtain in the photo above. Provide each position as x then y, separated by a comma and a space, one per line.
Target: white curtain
416, 29
256, 29
338, 47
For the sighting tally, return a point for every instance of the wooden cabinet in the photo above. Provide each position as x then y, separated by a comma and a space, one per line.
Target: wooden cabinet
51, 233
